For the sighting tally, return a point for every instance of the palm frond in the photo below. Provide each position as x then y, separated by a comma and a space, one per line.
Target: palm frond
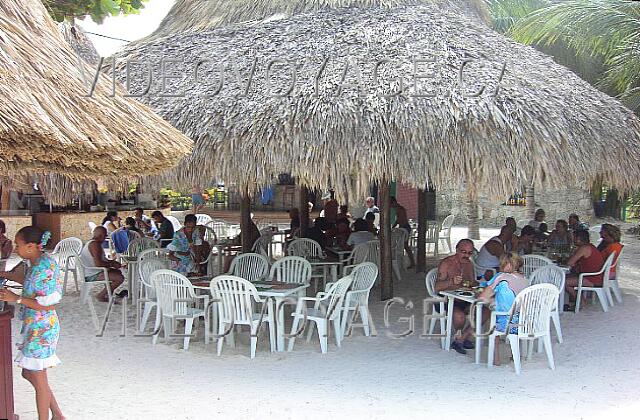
505, 13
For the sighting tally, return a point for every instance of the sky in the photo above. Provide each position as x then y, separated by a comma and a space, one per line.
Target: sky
129, 27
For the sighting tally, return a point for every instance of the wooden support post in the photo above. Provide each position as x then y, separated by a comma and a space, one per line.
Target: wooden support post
474, 226
6, 366
530, 198
245, 221
386, 268
303, 211
421, 257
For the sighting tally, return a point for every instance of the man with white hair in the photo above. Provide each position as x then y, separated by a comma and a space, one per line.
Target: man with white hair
371, 206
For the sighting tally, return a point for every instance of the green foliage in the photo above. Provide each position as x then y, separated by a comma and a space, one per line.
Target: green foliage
505, 13
97, 9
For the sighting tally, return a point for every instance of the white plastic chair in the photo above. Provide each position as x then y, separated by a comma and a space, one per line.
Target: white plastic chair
551, 274
399, 237
478, 268
262, 245
594, 234
220, 228
177, 300
141, 244
604, 292
436, 299
531, 263
522, 223
237, 306
203, 219
533, 307
148, 265
444, 233
357, 298
175, 222
613, 282
92, 227
364, 252
85, 287
64, 253
327, 308
249, 266
291, 270
306, 248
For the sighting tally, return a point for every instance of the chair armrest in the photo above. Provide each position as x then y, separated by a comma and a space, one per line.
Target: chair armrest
105, 271
347, 269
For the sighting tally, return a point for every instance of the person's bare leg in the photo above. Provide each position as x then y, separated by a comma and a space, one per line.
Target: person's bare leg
43, 393
570, 283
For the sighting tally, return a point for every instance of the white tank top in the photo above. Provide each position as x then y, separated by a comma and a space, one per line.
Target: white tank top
87, 260
486, 259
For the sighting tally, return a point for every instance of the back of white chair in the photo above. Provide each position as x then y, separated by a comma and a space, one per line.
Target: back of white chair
364, 277
335, 296
174, 292
306, 248
531, 263
250, 266
594, 234
175, 222
203, 219
220, 228
65, 249
550, 274
430, 282
399, 237
447, 223
365, 252
237, 297
533, 307
263, 243
92, 227
145, 269
141, 244
291, 270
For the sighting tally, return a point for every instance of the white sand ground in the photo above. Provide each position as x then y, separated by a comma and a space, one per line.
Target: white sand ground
114, 377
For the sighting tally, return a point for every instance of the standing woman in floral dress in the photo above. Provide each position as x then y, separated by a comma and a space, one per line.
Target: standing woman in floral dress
42, 290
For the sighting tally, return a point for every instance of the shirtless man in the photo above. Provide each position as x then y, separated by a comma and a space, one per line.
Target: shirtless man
452, 271
402, 221
92, 255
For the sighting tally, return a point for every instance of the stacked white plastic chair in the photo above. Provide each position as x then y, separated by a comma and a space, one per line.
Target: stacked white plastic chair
613, 282
237, 303
364, 252
531, 263
399, 237
150, 261
551, 274
357, 298
177, 300
327, 308
444, 233
250, 266
64, 253
441, 302
532, 307
203, 219
603, 293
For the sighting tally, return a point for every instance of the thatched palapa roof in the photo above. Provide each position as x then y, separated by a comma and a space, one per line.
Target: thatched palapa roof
536, 123
47, 123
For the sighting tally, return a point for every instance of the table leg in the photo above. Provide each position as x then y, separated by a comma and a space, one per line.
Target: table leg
478, 331
280, 323
334, 273
447, 339
134, 283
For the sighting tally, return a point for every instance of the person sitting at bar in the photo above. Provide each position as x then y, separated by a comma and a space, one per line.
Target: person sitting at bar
610, 242
503, 288
370, 218
183, 249
538, 218
6, 246
111, 222
361, 233
452, 271
586, 259
560, 237
92, 255
491, 251
575, 224
165, 228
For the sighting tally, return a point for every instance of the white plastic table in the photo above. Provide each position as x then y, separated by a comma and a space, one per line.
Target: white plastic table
452, 295
278, 296
343, 256
326, 265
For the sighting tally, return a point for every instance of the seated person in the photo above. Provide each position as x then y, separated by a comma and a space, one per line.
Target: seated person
525, 240
575, 224
111, 222
452, 271
254, 234
504, 287
344, 212
491, 251
165, 228
130, 224
6, 246
586, 259
510, 222
560, 237
342, 232
317, 232
143, 223
537, 219
543, 233
610, 242
370, 218
294, 225
183, 248
361, 233
92, 255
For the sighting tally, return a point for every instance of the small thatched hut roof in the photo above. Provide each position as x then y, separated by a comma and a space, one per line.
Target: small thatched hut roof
46, 121
536, 123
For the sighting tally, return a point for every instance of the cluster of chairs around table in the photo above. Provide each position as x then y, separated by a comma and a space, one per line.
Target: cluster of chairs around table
535, 308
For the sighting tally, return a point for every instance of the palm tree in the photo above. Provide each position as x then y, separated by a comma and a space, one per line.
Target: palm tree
608, 30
